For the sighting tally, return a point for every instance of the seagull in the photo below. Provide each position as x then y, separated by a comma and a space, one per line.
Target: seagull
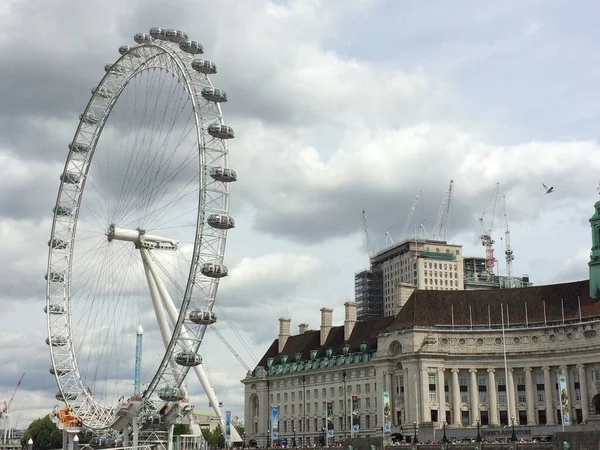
548, 190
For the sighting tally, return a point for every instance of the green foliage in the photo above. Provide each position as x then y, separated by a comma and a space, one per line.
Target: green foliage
214, 438
44, 434
181, 428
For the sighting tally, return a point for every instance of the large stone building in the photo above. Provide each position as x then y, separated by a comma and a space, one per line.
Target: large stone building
455, 358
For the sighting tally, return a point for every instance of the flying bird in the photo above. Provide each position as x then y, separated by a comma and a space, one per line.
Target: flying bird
548, 190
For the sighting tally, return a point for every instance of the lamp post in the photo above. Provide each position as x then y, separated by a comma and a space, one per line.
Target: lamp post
415, 431
514, 436
345, 406
444, 437
294, 439
324, 438
478, 431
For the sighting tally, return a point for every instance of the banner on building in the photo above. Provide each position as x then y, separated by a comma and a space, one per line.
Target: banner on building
227, 425
355, 414
329, 419
387, 413
275, 422
564, 400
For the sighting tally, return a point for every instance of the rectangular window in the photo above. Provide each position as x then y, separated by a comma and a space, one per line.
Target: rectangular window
482, 381
522, 397
285, 396
367, 388
483, 397
341, 390
464, 397
541, 396
462, 381
432, 396
368, 402
502, 397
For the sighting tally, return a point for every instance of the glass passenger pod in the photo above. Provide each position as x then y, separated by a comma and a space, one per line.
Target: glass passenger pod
221, 221
58, 243
204, 66
142, 38
188, 359
193, 47
124, 49
70, 178
213, 270
62, 210
89, 118
77, 147
176, 36
66, 397
203, 317
110, 68
103, 92
55, 277
223, 174
56, 341
54, 310
159, 33
169, 394
214, 95
219, 131
58, 371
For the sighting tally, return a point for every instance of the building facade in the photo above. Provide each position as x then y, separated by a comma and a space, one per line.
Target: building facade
449, 358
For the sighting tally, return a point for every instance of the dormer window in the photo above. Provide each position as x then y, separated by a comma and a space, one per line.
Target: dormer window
313, 355
363, 346
284, 359
346, 349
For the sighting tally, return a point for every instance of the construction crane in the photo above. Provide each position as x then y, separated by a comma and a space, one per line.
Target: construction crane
439, 229
486, 237
367, 236
388, 236
409, 218
4, 409
508, 253
4, 413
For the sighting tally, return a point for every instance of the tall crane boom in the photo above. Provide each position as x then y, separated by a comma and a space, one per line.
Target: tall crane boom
439, 229
508, 253
409, 218
367, 235
6, 407
486, 237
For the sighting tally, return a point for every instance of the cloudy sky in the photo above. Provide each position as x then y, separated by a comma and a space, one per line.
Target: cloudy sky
338, 106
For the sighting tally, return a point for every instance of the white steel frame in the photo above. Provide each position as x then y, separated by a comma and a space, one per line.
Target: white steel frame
209, 245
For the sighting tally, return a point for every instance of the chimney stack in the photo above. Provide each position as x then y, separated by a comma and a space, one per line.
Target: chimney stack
284, 332
302, 328
326, 323
349, 319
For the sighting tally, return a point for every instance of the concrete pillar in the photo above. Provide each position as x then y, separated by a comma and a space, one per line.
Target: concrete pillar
455, 391
583, 387
426, 408
493, 393
548, 388
529, 392
441, 396
474, 391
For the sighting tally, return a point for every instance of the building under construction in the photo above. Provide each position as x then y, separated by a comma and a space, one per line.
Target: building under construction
431, 264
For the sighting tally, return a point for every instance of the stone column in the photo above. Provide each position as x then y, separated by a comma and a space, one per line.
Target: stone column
510, 387
529, 392
441, 396
456, 416
548, 394
474, 391
493, 393
406, 403
583, 389
425, 408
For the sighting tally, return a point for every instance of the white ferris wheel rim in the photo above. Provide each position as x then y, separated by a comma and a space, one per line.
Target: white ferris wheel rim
209, 241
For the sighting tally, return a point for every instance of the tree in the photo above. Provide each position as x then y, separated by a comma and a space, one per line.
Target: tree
44, 434
181, 428
214, 438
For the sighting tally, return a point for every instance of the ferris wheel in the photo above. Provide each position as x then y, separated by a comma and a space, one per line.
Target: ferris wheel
139, 231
